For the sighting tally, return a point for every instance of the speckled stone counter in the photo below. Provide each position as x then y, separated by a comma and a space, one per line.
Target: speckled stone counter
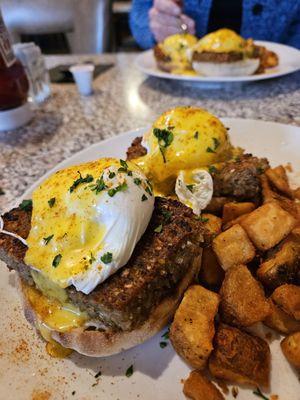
125, 99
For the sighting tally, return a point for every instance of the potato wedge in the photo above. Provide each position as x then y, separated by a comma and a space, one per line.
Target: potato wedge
233, 210
233, 247
198, 387
216, 205
283, 265
193, 329
211, 273
234, 222
243, 301
290, 347
240, 357
268, 225
287, 297
278, 179
213, 226
281, 321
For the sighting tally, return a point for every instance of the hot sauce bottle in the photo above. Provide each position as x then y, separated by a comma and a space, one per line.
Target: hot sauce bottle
14, 84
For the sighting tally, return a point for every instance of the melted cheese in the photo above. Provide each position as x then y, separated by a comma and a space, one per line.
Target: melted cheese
221, 41
199, 140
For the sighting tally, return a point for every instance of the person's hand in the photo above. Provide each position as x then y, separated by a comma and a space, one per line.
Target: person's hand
166, 19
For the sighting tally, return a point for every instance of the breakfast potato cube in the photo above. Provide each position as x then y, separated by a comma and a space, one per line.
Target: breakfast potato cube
240, 357
211, 273
268, 225
282, 266
297, 193
281, 321
290, 347
216, 205
198, 387
267, 193
287, 297
278, 178
233, 210
243, 301
233, 247
193, 329
235, 221
213, 226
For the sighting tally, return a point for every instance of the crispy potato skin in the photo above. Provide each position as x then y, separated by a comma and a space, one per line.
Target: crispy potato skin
212, 225
278, 178
243, 302
281, 321
283, 265
287, 297
268, 225
198, 387
216, 204
234, 210
193, 329
290, 347
211, 274
233, 247
240, 357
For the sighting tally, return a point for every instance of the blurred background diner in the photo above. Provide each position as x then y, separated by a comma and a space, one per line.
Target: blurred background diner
97, 26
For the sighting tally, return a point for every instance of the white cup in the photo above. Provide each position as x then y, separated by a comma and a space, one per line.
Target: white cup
83, 76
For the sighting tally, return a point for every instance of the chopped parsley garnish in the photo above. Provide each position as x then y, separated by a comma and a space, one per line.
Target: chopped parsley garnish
165, 138
163, 344
92, 258
214, 148
216, 143
158, 229
148, 190
99, 185
259, 170
26, 205
212, 169
190, 188
167, 215
56, 260
47, 239
166, 335
196, 135
98, 374
87, 179
124, 166
51, 202
144, 197
129, 371
203, 219
111, 174
129, 173
117, 189
107, 258
258, 393
137, 181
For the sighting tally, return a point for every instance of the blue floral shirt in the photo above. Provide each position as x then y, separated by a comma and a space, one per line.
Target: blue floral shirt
273, 20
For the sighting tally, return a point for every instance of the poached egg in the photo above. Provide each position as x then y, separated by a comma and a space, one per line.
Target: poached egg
86, 222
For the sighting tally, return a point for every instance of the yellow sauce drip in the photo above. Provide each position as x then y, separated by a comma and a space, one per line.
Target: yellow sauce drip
221, 41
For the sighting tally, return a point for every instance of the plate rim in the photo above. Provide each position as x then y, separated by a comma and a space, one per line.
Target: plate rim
203, 79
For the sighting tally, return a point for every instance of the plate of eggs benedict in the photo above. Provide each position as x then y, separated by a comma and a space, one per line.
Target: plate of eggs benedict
220, 56
105, 246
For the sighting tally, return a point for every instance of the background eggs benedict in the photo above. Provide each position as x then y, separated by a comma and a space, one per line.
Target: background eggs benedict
172, 55
224, 53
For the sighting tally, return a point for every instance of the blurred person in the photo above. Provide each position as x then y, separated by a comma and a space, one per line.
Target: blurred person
274, 20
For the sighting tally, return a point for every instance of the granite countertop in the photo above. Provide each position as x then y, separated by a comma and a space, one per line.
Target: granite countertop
125, 99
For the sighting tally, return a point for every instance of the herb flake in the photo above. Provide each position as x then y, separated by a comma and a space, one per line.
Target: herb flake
111, 174
26, 205
92, 258
196, 135
163, 344
120, 188
107, 258
144, 197
158, 229
99, 373
137, 181
99, 185
212, 169
167, 215
166, 335
190, 188
129, 371
165, 138
56, 260
258, 393
47, 239
87, 179
51, 202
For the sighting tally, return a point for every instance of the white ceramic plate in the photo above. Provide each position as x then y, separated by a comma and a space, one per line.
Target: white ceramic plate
27, 372
289, 61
